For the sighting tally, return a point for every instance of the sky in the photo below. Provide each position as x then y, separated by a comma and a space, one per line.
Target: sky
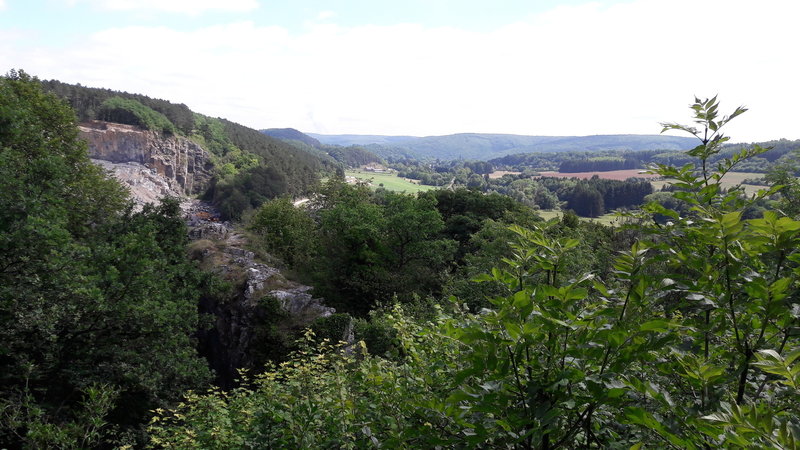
427, 67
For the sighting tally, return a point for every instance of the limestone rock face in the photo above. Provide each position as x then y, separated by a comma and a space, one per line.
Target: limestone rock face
299, 303
184, 165
144, 185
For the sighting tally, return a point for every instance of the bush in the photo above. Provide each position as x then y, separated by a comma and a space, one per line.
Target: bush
334, 328
129, 111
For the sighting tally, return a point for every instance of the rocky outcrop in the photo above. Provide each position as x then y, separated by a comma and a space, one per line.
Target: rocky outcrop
144, 184
184, 166
243, 316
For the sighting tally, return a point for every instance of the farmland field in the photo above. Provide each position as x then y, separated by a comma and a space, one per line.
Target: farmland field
730, 180
500, 173
390, 181
611, 174
605, 219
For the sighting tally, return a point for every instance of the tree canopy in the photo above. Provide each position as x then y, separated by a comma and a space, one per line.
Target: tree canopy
97, 302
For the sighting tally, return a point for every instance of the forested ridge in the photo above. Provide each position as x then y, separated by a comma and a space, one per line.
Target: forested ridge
250, 166
483, 146
782, 152
350, 156
469, 322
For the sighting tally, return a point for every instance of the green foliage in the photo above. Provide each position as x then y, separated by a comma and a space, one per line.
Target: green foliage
353, 156
688, 340
334, 328
129, 111
210, 134
286, 231
32, 427
783, 175
254, 167
88, 104
251, 167
730, 280
376, 333
372, 248
325, 397
91, 293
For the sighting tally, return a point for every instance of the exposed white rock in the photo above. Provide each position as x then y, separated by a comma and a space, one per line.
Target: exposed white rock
144, 185
183, 165
298, 302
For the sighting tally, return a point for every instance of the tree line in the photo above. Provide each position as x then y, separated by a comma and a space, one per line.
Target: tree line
599, 164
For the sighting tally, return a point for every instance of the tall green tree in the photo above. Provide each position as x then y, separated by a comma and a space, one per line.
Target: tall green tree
94, 297
286, 231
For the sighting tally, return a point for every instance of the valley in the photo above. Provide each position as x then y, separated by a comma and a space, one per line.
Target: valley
175, 280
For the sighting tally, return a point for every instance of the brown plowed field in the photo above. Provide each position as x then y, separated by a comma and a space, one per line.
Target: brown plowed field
611, 174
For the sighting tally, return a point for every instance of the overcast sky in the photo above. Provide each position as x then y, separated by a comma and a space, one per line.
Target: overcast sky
414, 67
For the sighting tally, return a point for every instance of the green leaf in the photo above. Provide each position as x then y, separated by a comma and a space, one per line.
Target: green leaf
522, 299
483, 278
514, 330
655, 325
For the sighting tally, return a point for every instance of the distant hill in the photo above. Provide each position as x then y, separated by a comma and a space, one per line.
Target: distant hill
290, 134
349, 155
487, 146
361, 139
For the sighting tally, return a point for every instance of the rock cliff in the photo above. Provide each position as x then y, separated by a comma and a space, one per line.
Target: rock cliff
184, 166
261, 308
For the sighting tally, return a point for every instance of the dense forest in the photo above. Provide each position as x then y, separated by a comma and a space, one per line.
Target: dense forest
475, 323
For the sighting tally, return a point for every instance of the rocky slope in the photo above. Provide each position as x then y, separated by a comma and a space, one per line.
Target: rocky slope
241, 317
151, 164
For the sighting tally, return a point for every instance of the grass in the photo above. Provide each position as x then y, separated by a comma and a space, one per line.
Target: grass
605, 219
389, 181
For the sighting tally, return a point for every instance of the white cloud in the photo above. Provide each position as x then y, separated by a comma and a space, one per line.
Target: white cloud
2, 5
586, 69
325, 15
175, 6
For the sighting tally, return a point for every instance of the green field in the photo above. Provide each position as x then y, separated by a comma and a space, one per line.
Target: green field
389, 181
605, 219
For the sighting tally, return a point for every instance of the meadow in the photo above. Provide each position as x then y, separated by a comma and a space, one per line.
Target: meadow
608, 174
390, 181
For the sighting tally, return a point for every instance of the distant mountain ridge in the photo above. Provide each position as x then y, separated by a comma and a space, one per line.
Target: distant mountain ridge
290, 134
484, 146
